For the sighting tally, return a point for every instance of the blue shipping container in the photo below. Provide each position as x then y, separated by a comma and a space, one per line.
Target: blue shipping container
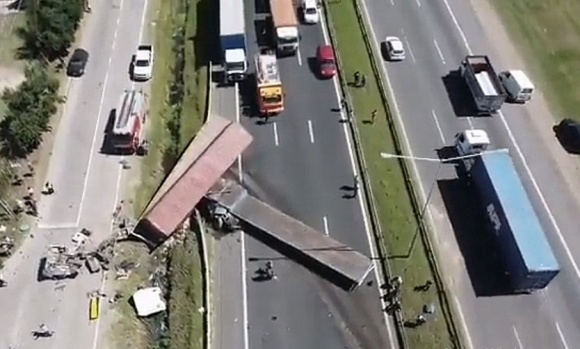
520, 236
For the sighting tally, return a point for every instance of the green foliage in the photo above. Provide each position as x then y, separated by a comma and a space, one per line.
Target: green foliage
50, 28
185, 295
29, 109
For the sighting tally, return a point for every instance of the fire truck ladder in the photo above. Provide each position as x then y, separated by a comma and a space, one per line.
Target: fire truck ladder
127, 108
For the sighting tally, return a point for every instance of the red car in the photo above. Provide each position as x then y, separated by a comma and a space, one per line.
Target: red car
326, 61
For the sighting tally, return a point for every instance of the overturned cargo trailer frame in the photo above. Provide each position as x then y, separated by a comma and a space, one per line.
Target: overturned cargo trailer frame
332, 259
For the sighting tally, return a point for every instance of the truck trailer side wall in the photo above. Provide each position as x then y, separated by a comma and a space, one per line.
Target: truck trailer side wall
506, 205
484, 84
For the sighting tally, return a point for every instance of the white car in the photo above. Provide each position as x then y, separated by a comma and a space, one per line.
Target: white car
143, 63
310, 11
394, 48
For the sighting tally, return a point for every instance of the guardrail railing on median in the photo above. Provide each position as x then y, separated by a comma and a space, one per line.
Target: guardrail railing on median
371, 207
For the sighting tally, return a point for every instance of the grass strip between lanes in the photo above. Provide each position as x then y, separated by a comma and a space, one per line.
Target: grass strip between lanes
396, 213
549, 34
178, 105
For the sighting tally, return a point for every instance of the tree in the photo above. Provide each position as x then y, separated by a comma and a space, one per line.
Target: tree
50, 28
30, 108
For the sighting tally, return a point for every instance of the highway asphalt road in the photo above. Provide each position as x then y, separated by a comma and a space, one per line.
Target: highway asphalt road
228, 291
87, 186
437, 36
298, 162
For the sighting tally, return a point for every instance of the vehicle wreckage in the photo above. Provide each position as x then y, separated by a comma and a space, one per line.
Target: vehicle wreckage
62, 262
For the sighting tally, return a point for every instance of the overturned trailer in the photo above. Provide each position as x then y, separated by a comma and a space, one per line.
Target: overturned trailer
332, 259
198, 173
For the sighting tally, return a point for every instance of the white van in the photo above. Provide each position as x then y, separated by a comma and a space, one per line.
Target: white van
518, 86
310, 13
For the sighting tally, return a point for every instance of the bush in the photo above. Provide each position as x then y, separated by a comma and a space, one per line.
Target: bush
29, 109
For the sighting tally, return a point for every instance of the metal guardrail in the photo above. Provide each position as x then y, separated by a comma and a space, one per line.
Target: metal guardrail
371, 207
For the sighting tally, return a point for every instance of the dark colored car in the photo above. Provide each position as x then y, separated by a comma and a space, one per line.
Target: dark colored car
326, 61
77, 63
568, 133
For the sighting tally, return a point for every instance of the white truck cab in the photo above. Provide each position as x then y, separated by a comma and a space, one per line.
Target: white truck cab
310, 13
471, 142
517, 85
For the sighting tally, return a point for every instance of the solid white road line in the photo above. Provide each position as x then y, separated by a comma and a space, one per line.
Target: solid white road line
562, 338
370, 239
310, 131
57, 226
418, 3
410, 50
439, 51
99, 116
393, 2
441, 135
275, 128
299, 55
407, 144
517, 338
237, 102
524, 162
325, 223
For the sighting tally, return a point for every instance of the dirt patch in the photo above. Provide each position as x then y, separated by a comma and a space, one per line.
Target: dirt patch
10, 77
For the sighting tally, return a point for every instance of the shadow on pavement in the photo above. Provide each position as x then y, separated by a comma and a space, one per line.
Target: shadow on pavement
477, 245
459, 94
248, 97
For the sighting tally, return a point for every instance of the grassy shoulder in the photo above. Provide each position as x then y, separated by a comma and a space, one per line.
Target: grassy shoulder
392, 199
549, 33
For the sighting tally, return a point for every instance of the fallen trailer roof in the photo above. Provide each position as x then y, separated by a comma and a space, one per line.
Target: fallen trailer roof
214, 149
347, 264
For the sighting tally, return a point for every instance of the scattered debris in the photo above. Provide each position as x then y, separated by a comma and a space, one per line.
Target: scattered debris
60, 264
6, 246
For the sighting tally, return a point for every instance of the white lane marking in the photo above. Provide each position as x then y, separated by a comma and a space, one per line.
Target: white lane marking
325, 223
439, 51
410, 50
299, 55
415, 171
275, 128
454, 19
245, 291
120, 173
525, 163
237, 104
393, 2
418, 3
243, 242
374, 255
310, 131
517, 338
562, 338
99, 116
441, 135
58, 226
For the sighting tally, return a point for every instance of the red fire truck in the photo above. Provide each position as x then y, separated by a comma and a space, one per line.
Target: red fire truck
126, 136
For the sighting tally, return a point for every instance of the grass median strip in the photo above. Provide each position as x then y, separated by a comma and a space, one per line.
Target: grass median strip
549, 34
393, 201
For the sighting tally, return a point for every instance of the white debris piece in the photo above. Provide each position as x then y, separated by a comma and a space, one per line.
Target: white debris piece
149, 301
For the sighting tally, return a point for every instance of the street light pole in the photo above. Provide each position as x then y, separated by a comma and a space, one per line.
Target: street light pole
432, 186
